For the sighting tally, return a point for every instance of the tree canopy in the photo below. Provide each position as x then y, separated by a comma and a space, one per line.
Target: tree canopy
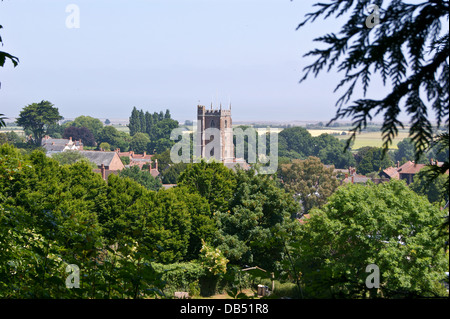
250, 231
297, 143
37, 117
387, 225
309, 181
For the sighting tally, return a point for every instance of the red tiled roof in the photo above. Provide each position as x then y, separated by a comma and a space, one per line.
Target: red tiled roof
154, 172
142, 156
391, 172
410, 168
356, 179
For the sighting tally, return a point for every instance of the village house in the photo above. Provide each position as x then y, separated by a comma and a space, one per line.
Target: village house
140, 160
136, 159
57, 145
405, 172
352, 177
107, 162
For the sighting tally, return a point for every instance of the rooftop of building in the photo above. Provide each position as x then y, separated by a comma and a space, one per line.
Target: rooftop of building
99, 157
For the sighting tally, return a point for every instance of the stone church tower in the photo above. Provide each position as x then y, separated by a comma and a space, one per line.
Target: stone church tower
220, 122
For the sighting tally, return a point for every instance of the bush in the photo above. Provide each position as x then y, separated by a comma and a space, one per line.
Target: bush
180, 277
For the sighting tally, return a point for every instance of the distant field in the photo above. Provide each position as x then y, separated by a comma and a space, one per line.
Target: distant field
318, 132
16, 129
364, 139
373, 139
121, 128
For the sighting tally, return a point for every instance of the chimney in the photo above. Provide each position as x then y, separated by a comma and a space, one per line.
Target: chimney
156, 164
103, 171
398, 164
145, 153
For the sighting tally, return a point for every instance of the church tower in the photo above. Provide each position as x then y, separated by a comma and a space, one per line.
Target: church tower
220, 122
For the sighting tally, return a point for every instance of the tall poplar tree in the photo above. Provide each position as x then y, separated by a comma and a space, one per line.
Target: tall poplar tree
135, 123
148, 122
142, 122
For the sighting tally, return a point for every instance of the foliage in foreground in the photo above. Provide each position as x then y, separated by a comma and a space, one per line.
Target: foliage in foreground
131, 242
385, 224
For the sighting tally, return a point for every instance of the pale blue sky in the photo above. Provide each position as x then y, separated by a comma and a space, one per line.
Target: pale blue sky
159, 54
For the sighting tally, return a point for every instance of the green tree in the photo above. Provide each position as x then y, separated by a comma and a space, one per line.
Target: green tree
310, 181
331, 151
385, 224
92, 124
160, 146
172, 173
113, 137
51, 209
213, 259
135, 122
433, 188
36, 117
139, 143
295, 142
161, 225
372, 159
104, 146
203, 226
160, 134
405, 151
51, 215
250, 231
142, 177
121, 194
148, 123
213, 181
143, 123
79, 133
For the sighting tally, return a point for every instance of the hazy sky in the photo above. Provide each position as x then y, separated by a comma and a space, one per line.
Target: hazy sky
158, 54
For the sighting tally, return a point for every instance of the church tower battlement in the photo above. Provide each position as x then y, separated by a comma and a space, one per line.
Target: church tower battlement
216, 119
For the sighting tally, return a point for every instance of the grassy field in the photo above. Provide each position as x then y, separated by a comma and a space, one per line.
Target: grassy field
373, 139
317, 132
121, 128
363, 139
